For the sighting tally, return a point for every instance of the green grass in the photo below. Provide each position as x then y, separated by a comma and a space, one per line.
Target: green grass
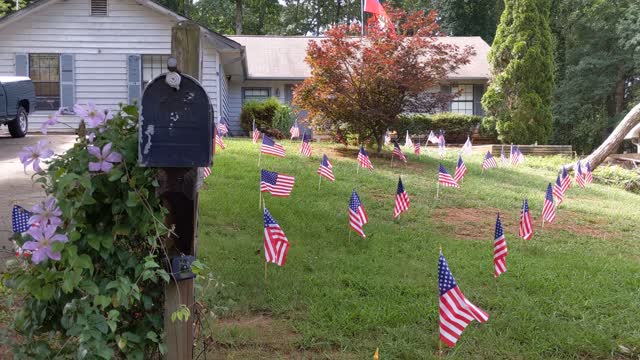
566, 295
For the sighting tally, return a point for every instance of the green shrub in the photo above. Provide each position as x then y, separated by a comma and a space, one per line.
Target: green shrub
271, 117
456, 126
618, 176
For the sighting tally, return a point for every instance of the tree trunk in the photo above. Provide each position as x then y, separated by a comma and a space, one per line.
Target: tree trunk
238, 17
613, 141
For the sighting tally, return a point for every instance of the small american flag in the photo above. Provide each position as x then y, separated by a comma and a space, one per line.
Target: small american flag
588, 176
295, 130
387, 138
566, 180
526, 227
219, 141
276, 184
461, 170
398, 152
408, 143
206, 171
520, 156
549, 208
558, 191
255, 133
489, 161
305, 147
467, 148
579, 175
20, 219
402, 200
445, 178
416, 148
325, 168
357, 216
222, 128
499, 250
432, 138
456, 312
441, 141
271, 147
363, 159
503, 158
276, 244
512, 155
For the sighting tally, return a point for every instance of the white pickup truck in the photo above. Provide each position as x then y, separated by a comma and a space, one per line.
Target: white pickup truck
17, 100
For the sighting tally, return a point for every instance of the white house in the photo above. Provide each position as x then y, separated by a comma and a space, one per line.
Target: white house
106, 51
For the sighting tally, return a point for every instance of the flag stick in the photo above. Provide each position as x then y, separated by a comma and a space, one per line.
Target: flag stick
438, 190
319, 181
392, 160
259, 156
439, 348
260, 200
349, 235
542, 224
265, 271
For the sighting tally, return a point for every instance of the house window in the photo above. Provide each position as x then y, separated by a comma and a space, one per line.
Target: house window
99, 7
152, 67
259, 94
44, 71
463, 103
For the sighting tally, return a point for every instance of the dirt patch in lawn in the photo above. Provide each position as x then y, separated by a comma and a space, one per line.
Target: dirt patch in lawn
260, 336
479, 224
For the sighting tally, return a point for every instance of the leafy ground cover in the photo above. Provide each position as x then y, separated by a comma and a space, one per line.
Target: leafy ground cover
572, 292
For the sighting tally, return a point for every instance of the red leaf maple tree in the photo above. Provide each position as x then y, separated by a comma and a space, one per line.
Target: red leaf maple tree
360, 84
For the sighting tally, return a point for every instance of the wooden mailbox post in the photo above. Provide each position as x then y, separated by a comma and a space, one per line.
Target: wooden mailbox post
176, 136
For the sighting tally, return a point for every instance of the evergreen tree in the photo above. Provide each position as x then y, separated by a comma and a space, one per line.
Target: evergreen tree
521, 58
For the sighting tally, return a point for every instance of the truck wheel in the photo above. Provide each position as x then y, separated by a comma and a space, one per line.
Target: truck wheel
18, 127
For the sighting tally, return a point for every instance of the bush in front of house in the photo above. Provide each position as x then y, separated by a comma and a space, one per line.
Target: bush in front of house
455, 126
271, 117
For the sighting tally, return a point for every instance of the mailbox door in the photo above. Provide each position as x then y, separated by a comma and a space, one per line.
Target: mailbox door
176, 125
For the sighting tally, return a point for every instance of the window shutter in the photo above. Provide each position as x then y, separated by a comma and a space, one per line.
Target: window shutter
22, 65
134, 78
446, 89
478, 91
67, 81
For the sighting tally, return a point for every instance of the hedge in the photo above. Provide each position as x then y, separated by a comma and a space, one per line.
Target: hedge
271, 117
455, 126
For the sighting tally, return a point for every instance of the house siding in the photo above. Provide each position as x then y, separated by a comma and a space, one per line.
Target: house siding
100, 46
235, 96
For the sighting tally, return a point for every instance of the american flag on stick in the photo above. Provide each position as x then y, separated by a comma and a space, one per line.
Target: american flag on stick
357, 216
305, 147
456, 312
558, 191
416, 147
20, 219
579, 175
566, 180
526, 227
276, 184
467, 148
499, 249
206, 171
461, 170
402, 200
408, 143
271, 147
222, 128
325, 168
219, 141
255, 133
363, 159
549, 208
295, 130
398, 152
588, 176
387, 137
445, 178
512, 155
433, 138
441, 144
276, 244
503, 158
520, 158
489, 161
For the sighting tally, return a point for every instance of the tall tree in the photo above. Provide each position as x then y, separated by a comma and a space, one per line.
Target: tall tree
9, 6
361, 84
239, 17
470, 18
521, 58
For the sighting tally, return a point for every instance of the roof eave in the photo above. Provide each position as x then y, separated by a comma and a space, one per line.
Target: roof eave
13, 17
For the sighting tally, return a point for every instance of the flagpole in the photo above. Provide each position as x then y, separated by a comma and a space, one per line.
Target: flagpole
319, 181
265, 270
438, 190
259, 157
439, 340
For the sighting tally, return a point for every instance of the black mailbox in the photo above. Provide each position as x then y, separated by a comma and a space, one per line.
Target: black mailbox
176, 123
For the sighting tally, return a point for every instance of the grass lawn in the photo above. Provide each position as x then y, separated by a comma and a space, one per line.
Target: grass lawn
572, 292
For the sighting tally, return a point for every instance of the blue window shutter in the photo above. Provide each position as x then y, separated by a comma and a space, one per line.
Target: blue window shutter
22, 65
67, 81
446, 89
134, 78
478, 91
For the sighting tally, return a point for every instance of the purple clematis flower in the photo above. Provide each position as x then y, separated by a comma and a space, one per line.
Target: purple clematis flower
52, 119
33, 155
106, 158
46, 212
94, 116
91, 137
41, 247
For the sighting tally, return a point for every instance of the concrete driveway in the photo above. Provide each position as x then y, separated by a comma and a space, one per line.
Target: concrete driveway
16, 187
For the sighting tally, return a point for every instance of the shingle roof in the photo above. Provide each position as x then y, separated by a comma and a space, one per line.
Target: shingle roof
282, 57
